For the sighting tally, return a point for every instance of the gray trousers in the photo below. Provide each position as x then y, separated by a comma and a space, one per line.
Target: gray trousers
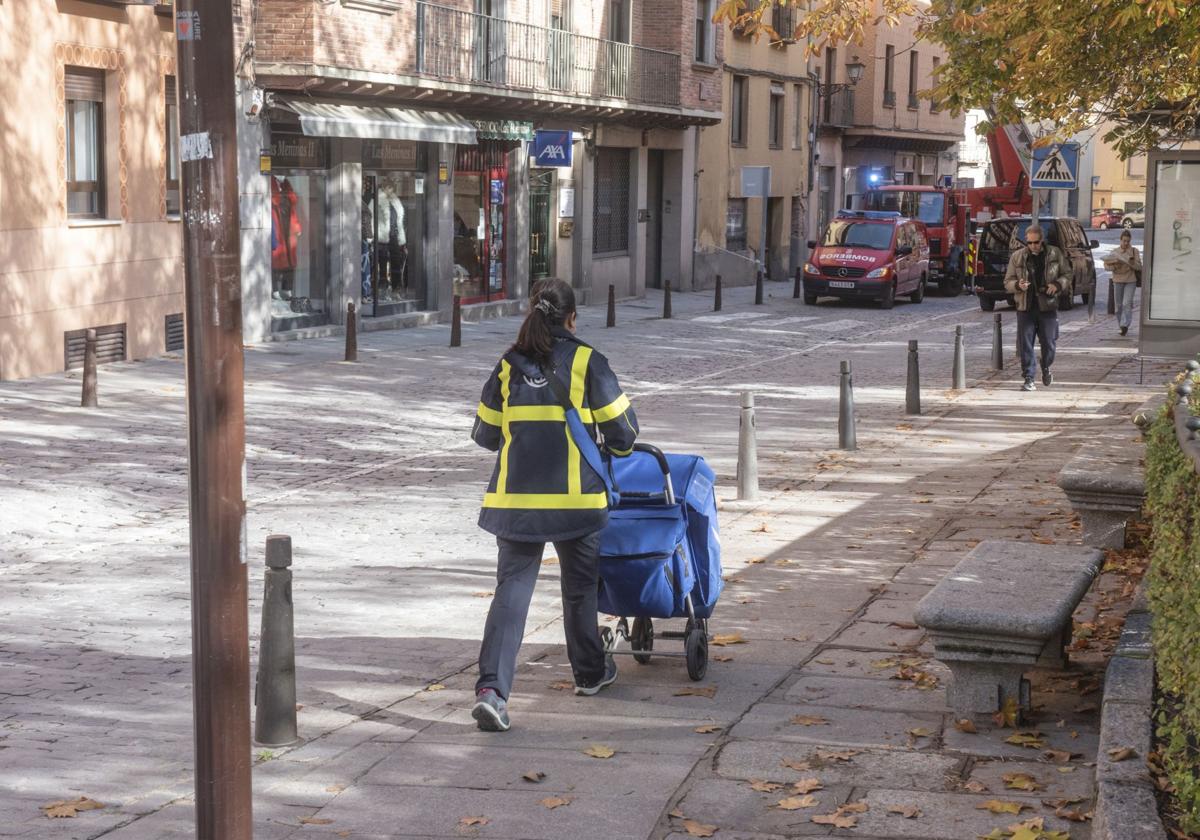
1123, 294
516, 574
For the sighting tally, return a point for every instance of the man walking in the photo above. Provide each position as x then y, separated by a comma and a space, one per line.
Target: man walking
1036, 275
1125, 263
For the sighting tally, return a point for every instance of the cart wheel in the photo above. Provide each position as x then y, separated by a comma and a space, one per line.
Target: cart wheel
642, 638
606, 638
696, 645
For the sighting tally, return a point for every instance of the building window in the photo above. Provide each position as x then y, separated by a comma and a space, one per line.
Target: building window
889, 77
618, 21
704, 31
84, 91
172, 141
933, 80
913, 64
610, 212
783, 21
735, 225
738, 103
798, 117
1135, 167
830, 78
775, 116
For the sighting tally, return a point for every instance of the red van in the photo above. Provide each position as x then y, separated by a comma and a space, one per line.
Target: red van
871, 255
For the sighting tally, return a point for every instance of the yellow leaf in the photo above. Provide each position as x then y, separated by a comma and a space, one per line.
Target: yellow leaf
707, 729
975, 786
697, 691
1122, 753
68, 808
335, 788
793, 764
966, 725
1032, 740
795, 803
699, 829
552, 802
533, 776
1058, 756
722, 657
722, 640
844, 755
1021, 781
482, 594
859, 807
600, 751
835, 820
920, 732
435, 687
562, 685
807, 785
909, 812
808, 720
315, 821
763, 786
465, 821
997, 806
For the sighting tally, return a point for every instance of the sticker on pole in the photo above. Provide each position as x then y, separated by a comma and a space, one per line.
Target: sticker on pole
195, 146
187, 26
1055, 167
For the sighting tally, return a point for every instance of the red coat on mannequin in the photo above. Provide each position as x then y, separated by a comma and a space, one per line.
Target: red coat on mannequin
285, 225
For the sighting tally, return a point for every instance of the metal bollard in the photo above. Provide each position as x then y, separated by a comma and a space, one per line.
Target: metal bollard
796, 285
1112, 297
847, 439
960, 360
88, 399
747, 465
612, 307
998, 343
275, 686
717, 295
667, 301
1091, 305
912, 390
758, 288
351, 333
456, 322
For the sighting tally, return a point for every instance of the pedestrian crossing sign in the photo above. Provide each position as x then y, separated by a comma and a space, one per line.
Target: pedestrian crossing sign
1055, 167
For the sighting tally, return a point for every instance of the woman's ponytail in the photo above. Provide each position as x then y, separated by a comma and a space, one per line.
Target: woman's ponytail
550, 304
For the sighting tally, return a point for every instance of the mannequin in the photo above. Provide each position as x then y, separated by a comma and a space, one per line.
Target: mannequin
286, 230
391, 241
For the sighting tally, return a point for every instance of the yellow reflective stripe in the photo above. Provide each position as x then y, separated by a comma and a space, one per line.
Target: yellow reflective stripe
614, 409
579, 366
505, 391
579, 375
534, 413
546, 501
621, 452
490, 415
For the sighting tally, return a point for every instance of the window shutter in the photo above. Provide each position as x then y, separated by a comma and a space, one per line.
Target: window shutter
110, 346
84, 85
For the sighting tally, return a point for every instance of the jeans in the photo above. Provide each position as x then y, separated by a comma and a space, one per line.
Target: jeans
517, 572
1043, 326
1123, 295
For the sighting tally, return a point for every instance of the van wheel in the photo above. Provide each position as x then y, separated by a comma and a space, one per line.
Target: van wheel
919, 294
986, 303
1104, 226
810, 298
952, 285
1127, 224
889, 297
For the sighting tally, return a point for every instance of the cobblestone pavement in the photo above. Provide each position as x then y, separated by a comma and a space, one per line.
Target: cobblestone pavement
369, 468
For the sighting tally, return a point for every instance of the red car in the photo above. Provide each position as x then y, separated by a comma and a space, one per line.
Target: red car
871, 255
1106, 217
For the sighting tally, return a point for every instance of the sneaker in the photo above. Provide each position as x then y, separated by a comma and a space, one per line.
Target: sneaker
1028, 386
490, 711
1124, 330
610, 677
1047, 377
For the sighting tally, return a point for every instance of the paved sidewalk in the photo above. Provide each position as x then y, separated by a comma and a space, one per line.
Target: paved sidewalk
368, 467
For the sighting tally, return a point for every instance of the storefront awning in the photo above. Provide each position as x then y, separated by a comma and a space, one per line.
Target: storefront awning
327, 119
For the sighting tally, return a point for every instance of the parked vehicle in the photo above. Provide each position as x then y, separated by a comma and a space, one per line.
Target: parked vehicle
938, 210
868, 255
998, 238
1106, 217
1134, 218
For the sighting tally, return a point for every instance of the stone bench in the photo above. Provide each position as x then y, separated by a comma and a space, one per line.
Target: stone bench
1104, 483
1003, 609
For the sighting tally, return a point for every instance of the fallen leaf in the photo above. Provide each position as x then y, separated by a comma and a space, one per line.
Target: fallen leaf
474, 821
335, 788
764, 528
1065, 769
315, 821
562, 685
975, 786
808, 720
882, 664
807, 785
756, 561
600, 751
920, 732
482, 594
722, 657
793, 764
1032, 740
904, 625
707, 729
699, 829
763, 786
550, 561
966, 725
836, 820
552, 802
677, 814
1058, 756
909, 812
795, 803
724, 639
1062, 803
1122, 753
68, 808
697, 691
844, 755
997, 806
1074, 815
859, 807
1085, 708
1021, 781
534, 776
435, 687
795, 638
1009, 714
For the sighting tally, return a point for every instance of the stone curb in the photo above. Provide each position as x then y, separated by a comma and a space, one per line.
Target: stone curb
1126, 807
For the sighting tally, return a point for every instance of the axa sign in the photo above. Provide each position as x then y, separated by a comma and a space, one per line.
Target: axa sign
552, 148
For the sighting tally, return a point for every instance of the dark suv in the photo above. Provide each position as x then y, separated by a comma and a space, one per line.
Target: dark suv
998, 238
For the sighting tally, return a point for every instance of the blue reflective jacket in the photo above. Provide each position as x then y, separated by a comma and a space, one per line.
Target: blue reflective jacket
541, 488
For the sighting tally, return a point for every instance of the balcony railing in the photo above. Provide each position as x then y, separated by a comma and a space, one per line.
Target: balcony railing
837, 108
461, 46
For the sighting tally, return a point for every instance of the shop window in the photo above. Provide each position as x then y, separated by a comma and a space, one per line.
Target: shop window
737, 110
172, 143
393, 227
775, 116
299, 280
84, 90
610, 213
480, 220
735, 225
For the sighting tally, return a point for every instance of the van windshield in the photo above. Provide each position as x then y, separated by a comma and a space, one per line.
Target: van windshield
929, 207
871, 235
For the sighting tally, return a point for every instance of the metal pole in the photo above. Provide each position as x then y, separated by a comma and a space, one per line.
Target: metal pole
912, 390
1112, 298
960, 360
998, 343
796, 284
747, 465
612, 307
717, 295
846, 434
456, 322
351, 333
216, 418
758, 288
275, 687
88, 397
667, 300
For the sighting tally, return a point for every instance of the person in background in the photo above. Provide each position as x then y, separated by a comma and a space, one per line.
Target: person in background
1037, 274
1125, 264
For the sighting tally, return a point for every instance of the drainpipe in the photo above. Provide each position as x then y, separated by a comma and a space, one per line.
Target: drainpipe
695, 201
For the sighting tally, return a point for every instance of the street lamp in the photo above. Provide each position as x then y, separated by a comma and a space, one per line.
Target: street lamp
854, 74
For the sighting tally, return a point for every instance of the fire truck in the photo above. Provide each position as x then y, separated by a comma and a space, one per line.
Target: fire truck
950, 214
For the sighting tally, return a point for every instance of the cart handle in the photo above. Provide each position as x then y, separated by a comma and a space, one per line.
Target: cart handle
662, 465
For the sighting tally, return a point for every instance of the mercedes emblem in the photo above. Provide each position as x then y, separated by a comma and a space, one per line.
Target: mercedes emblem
841, 272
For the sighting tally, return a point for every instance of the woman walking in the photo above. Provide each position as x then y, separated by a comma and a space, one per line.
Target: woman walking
542, 491
1124, 263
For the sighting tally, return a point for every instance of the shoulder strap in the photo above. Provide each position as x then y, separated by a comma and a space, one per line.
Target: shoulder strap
559, 389
584, 442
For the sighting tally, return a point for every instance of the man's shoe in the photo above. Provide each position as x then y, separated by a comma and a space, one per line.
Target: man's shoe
490, 711
1124, 330
610, 677
1028, 386
1047, 377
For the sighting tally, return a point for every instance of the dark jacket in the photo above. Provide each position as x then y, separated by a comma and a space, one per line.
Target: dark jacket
541, 488
1058, 272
